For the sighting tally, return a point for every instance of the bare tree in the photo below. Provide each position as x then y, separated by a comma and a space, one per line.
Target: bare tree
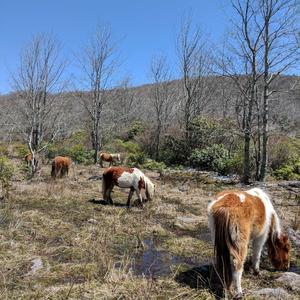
195, 69
241, 65
265, 46
278, 22
37, 83
161, 97
98, 62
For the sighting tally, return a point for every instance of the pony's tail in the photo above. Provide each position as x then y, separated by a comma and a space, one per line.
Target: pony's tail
149, 189
224, 246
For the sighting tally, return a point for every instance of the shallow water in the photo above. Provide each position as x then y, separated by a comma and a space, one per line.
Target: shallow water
153, 262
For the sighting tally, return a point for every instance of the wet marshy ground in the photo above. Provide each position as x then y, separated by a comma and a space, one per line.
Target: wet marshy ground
153, 262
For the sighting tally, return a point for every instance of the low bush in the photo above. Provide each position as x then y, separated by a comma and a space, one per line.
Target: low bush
283, 151
215, 158
77, 152
289, 172
154, 165
136, 160
174, 151
74, 147
136, 128
129, 147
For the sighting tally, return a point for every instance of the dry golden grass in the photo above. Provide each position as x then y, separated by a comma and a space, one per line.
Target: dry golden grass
59, 241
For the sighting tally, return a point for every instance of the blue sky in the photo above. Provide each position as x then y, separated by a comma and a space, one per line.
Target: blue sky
143, 28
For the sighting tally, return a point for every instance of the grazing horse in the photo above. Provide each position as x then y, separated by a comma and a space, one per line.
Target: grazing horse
234, 218
111, 158
31, 161
60, 166
123, 177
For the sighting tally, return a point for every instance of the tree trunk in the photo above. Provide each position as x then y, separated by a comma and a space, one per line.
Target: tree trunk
265, 103
157, 143
246, 170
265, 130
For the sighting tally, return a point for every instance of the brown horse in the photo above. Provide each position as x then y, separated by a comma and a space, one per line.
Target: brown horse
30, 161
111, 158
60, 166
235, 218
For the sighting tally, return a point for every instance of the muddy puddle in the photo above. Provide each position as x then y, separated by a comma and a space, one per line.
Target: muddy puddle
154, 261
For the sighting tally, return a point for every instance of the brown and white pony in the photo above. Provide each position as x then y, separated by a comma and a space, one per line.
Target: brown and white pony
235, 217
32, 162
123, 177
60, 166
111, 158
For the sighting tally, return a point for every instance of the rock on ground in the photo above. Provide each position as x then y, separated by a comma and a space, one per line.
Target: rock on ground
290, 279
272, 294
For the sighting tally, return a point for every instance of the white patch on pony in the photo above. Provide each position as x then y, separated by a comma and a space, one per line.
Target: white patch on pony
268, 207
125, 180
241, 196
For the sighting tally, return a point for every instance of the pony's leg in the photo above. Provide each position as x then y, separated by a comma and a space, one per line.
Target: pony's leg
60, 172
109, 190
130, 196
138, 192
237, 266
258, 244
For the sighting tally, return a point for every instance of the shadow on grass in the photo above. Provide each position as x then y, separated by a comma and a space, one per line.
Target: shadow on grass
103, 202
202, 277
118, 204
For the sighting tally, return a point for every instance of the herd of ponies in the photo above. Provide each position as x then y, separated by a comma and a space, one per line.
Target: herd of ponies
234, 218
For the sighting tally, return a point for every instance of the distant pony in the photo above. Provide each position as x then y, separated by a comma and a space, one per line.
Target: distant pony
60, 166
235, 217
31, 162
123, 177
111, 158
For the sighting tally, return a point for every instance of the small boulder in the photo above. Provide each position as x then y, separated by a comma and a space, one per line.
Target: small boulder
186, 223
271, 294
290, 279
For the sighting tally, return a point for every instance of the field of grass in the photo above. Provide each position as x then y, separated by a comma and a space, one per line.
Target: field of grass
58, 239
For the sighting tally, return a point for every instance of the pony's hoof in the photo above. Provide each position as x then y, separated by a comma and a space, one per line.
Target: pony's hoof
256, 272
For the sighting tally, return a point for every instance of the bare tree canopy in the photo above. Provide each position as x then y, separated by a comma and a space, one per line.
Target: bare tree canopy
161, 97
263, 48
195, 68
98, 62
37, 83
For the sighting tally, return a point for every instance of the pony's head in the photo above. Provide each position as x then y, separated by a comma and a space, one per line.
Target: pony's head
149, 188
279, 251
